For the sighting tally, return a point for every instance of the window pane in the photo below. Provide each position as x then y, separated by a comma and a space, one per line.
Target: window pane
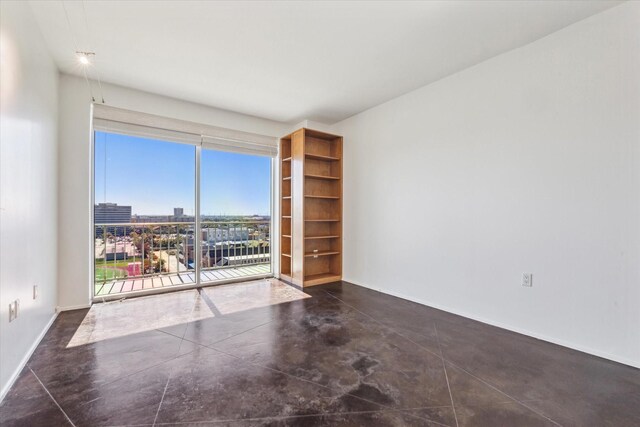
235, 195
144, 212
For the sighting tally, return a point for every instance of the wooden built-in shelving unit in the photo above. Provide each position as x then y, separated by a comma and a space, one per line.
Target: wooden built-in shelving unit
311, 208
285, 208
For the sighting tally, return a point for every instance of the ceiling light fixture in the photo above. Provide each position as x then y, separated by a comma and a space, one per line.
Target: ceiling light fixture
83, 57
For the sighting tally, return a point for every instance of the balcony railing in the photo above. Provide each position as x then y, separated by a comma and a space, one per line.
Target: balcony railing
133, 252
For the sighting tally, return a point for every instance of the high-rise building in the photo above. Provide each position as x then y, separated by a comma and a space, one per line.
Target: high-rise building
111, 213
178, 212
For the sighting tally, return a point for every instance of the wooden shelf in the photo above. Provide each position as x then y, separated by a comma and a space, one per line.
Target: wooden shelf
320, 157
311, 207
321, 253
321, 177
318, 279
286, 220
322, 197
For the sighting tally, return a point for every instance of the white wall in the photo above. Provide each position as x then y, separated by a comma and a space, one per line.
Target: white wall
28, 186
74, 268
528, 162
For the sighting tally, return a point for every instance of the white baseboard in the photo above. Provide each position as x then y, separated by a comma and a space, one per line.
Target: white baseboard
26, 357
72, 307
563, 343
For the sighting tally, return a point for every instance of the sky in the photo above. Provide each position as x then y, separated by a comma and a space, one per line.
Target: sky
153, 177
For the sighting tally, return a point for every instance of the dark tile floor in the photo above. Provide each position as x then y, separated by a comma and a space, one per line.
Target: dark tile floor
263, 353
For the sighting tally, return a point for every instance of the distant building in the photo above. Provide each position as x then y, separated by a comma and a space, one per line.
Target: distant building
142, 219
150, 218
111, 213
179, 216
214, 235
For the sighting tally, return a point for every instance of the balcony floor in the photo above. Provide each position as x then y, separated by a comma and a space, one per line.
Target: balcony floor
175, 279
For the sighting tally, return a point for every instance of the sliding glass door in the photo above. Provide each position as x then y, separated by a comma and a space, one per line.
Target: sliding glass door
235, 220
149, 233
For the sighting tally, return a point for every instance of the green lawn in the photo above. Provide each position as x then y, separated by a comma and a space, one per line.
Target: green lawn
103, 274
119, 263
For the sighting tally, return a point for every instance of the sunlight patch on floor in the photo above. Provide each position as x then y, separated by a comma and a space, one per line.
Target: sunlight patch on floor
131, 316
260, 293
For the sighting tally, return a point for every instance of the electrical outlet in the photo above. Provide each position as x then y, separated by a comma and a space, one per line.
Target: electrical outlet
527, 280
35, 291
12, 311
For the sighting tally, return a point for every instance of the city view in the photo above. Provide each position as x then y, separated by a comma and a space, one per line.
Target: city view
138, 250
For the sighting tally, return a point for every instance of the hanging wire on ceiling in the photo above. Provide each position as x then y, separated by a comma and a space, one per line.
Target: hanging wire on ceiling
75, 42
89, 40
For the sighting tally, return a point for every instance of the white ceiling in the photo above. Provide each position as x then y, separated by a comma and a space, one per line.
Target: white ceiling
289, 61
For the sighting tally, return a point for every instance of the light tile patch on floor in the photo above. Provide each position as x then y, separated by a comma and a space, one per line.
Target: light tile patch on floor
175, 310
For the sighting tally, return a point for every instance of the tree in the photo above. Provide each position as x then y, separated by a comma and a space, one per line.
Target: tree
135, 239
159, 265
